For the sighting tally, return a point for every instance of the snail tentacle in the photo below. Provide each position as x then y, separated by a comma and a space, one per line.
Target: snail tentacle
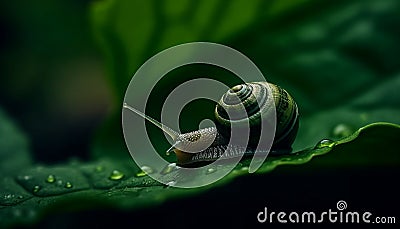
172, 133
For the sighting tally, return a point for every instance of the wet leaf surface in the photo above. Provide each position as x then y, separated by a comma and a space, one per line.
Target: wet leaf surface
35, 192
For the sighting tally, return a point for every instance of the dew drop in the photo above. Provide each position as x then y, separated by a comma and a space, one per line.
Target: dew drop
171, 183
68, 185
211, 170
20, 197
144, 171
341, 131
141, 174
50, 179
116, 175
325, 143
169, 168
36, 188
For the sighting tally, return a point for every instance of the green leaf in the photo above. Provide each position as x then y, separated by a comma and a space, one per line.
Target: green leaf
40, 191
336, 59
14, 150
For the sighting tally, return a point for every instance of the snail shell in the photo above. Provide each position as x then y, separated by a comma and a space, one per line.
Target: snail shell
209, 144
254, 98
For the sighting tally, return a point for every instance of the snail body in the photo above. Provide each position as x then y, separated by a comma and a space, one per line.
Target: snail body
243, 106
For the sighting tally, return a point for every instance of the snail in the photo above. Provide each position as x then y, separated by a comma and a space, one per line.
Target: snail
190, 147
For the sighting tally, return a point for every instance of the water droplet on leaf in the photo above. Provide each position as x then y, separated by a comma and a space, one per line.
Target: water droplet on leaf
169, 168
144, 171
141, 174
325, 143
50, 179
116, 175
68, 185
171, 183
36, 188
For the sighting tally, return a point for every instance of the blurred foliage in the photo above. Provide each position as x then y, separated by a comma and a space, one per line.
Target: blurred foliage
52, 79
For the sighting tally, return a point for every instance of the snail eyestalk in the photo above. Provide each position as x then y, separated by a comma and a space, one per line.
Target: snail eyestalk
171, 149
172, 133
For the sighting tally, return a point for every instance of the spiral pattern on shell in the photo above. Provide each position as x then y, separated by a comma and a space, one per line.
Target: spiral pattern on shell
250, 103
